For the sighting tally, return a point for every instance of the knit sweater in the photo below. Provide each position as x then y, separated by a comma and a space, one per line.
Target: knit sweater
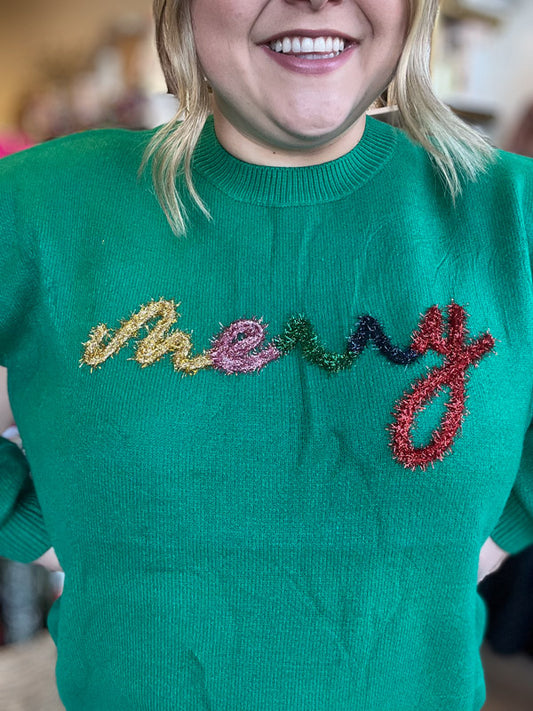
267, 453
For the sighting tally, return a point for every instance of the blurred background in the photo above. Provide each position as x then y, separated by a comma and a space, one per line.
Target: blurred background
70, 65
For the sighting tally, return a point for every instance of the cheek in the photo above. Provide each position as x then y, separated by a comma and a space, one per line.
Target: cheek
390, 37
209, 26
390, 18
221, 20
219, 28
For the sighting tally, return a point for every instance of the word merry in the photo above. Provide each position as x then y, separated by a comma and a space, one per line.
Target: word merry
241, 348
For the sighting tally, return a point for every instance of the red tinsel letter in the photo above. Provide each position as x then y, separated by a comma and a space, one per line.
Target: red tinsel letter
458, 356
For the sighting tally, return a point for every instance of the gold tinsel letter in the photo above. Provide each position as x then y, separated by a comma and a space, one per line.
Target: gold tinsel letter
103, 344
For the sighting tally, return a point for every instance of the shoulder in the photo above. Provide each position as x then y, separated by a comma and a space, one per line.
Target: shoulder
513, 165
504, 188
73, 181
504, 166
513, 171
504, 174
88, 154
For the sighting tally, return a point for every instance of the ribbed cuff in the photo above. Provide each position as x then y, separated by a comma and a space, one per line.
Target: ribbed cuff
514, 530
23, 535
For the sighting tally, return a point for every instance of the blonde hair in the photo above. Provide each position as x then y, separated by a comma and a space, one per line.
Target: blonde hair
458, 151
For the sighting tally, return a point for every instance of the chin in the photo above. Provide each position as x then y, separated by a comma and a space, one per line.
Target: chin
317, 133
307, 124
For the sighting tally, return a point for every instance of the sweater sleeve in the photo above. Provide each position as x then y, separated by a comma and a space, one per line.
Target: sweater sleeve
514, 530
23, 535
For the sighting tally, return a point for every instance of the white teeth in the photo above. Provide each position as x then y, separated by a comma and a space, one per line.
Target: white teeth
320, 46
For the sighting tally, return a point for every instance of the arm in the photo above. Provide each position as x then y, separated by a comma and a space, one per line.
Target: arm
48, 559
6, 416
514, 530
23, 534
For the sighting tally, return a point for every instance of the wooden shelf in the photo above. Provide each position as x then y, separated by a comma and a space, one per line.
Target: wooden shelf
473, 115
455, 10
386, 114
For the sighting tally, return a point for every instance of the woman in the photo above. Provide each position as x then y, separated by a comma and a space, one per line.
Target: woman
304, 534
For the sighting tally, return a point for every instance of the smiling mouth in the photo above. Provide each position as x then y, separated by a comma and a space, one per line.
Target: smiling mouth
326, 47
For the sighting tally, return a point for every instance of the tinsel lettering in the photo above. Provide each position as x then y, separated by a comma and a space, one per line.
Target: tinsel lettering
241, 348
459, 355
103, 344
235, 349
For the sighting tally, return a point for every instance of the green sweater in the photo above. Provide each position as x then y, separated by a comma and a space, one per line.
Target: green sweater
267, 453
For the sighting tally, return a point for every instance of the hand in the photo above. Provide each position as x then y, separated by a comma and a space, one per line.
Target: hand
49, 561
490, 559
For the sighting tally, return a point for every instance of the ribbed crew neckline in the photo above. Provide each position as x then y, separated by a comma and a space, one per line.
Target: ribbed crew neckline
274, 186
